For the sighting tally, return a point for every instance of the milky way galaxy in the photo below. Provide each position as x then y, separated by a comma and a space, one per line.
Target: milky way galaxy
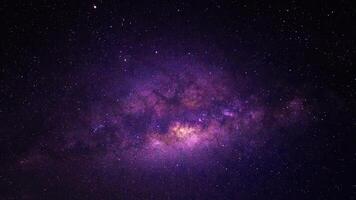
175, 117
176, 114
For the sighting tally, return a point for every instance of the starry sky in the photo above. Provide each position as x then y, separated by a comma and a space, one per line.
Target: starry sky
177, 100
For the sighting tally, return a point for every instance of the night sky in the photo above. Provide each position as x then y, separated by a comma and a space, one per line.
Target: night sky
177, 100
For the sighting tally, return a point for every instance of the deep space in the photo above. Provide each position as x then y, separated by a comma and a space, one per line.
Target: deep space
223, 100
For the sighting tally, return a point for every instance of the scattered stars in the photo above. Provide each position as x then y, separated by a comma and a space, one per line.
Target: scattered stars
176, 100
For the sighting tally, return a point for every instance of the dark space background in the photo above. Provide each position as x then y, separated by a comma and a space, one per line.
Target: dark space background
58, 57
